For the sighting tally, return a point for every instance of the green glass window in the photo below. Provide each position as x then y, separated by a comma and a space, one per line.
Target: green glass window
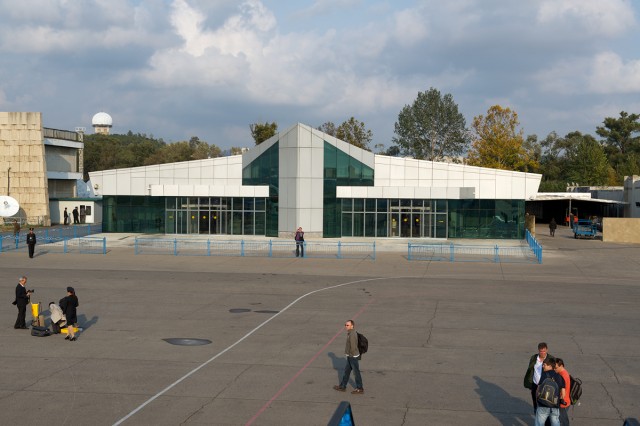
340, 169
265, 170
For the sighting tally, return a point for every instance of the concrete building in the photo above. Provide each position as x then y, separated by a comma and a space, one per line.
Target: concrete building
304, 177
39, 165
632, 196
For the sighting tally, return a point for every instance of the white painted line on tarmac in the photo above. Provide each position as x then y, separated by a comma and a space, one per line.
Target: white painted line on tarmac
181, 379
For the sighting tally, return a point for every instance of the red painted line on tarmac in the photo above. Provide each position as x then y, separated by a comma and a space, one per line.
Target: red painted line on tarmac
295, 376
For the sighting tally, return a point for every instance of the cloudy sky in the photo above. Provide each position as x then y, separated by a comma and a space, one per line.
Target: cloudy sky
209, 68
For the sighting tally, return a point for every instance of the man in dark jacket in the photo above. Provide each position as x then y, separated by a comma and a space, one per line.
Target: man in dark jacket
31, 242
534, 371
22, 299
76, 215
353, 360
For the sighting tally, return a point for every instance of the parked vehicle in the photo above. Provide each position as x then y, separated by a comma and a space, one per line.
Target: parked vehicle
585, 228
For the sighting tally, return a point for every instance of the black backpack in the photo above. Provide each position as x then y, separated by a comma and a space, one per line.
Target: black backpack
548, 393
575, 389
363, 344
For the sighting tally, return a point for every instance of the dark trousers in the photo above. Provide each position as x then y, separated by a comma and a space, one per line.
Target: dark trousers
534, 389
564, 416
22, 313
32, 247
299, 248
352, 364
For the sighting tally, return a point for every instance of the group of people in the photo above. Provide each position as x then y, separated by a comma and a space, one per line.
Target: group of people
76, 216
543, 366
64, 313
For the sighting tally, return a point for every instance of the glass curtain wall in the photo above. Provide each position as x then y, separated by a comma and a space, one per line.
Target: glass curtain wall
133, 214
486, 219
393, 218
340, 169
264, 170
216, 215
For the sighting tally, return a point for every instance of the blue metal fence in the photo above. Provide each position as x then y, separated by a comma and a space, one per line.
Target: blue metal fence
470, 253
255, 248
534, 245
72, 238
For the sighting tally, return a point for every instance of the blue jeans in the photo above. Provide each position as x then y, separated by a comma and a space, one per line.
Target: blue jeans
543, 412
352, 364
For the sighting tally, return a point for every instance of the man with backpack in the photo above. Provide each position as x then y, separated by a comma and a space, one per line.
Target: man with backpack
353, 361
550, 394
564, 408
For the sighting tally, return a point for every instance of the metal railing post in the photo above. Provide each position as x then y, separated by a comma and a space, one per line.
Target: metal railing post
374, 250
339, 249
104, 245
409, 251
451, 254
208, 247
64, 245
135, 246
270, 248
175, 246
496, 257
242, 248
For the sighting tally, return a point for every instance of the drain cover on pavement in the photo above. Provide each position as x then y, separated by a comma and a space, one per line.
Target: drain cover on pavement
187, 342
267, 312
239, 310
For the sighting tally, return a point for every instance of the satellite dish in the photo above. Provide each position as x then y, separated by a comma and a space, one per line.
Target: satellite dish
8, 206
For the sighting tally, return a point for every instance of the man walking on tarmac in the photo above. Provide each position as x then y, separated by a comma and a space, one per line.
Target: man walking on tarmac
353, 361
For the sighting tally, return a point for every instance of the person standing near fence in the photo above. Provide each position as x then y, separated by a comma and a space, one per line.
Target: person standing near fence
66, 216
299, 242
31, 242
76, 216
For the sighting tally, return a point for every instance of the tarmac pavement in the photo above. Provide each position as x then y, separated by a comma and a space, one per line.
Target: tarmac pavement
448, 342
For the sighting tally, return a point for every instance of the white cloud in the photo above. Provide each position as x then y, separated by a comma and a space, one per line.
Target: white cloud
610, 74
604, 73
410, 27
609, 18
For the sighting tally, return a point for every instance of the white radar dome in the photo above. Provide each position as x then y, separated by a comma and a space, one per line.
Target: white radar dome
102, 119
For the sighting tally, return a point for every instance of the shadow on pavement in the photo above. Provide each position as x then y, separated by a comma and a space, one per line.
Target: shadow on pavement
507, 409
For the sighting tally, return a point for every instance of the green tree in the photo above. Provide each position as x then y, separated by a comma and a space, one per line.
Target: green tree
263, 131
622, 144
432, 128
621, 133
498, 142
586, 160
351, 131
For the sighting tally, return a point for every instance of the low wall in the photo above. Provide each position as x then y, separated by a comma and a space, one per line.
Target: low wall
621, 230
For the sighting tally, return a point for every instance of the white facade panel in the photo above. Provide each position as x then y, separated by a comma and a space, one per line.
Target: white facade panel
317, 162
171, 190
186, 190
304, 192
317, 192
390, 192
406, 192
138, 186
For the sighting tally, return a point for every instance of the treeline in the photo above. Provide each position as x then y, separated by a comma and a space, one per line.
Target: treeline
105, 152
431, 128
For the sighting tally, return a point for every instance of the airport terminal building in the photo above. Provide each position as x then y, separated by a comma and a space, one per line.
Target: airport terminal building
304, 177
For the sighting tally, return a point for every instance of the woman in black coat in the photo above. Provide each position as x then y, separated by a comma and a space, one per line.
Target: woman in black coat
68, 305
